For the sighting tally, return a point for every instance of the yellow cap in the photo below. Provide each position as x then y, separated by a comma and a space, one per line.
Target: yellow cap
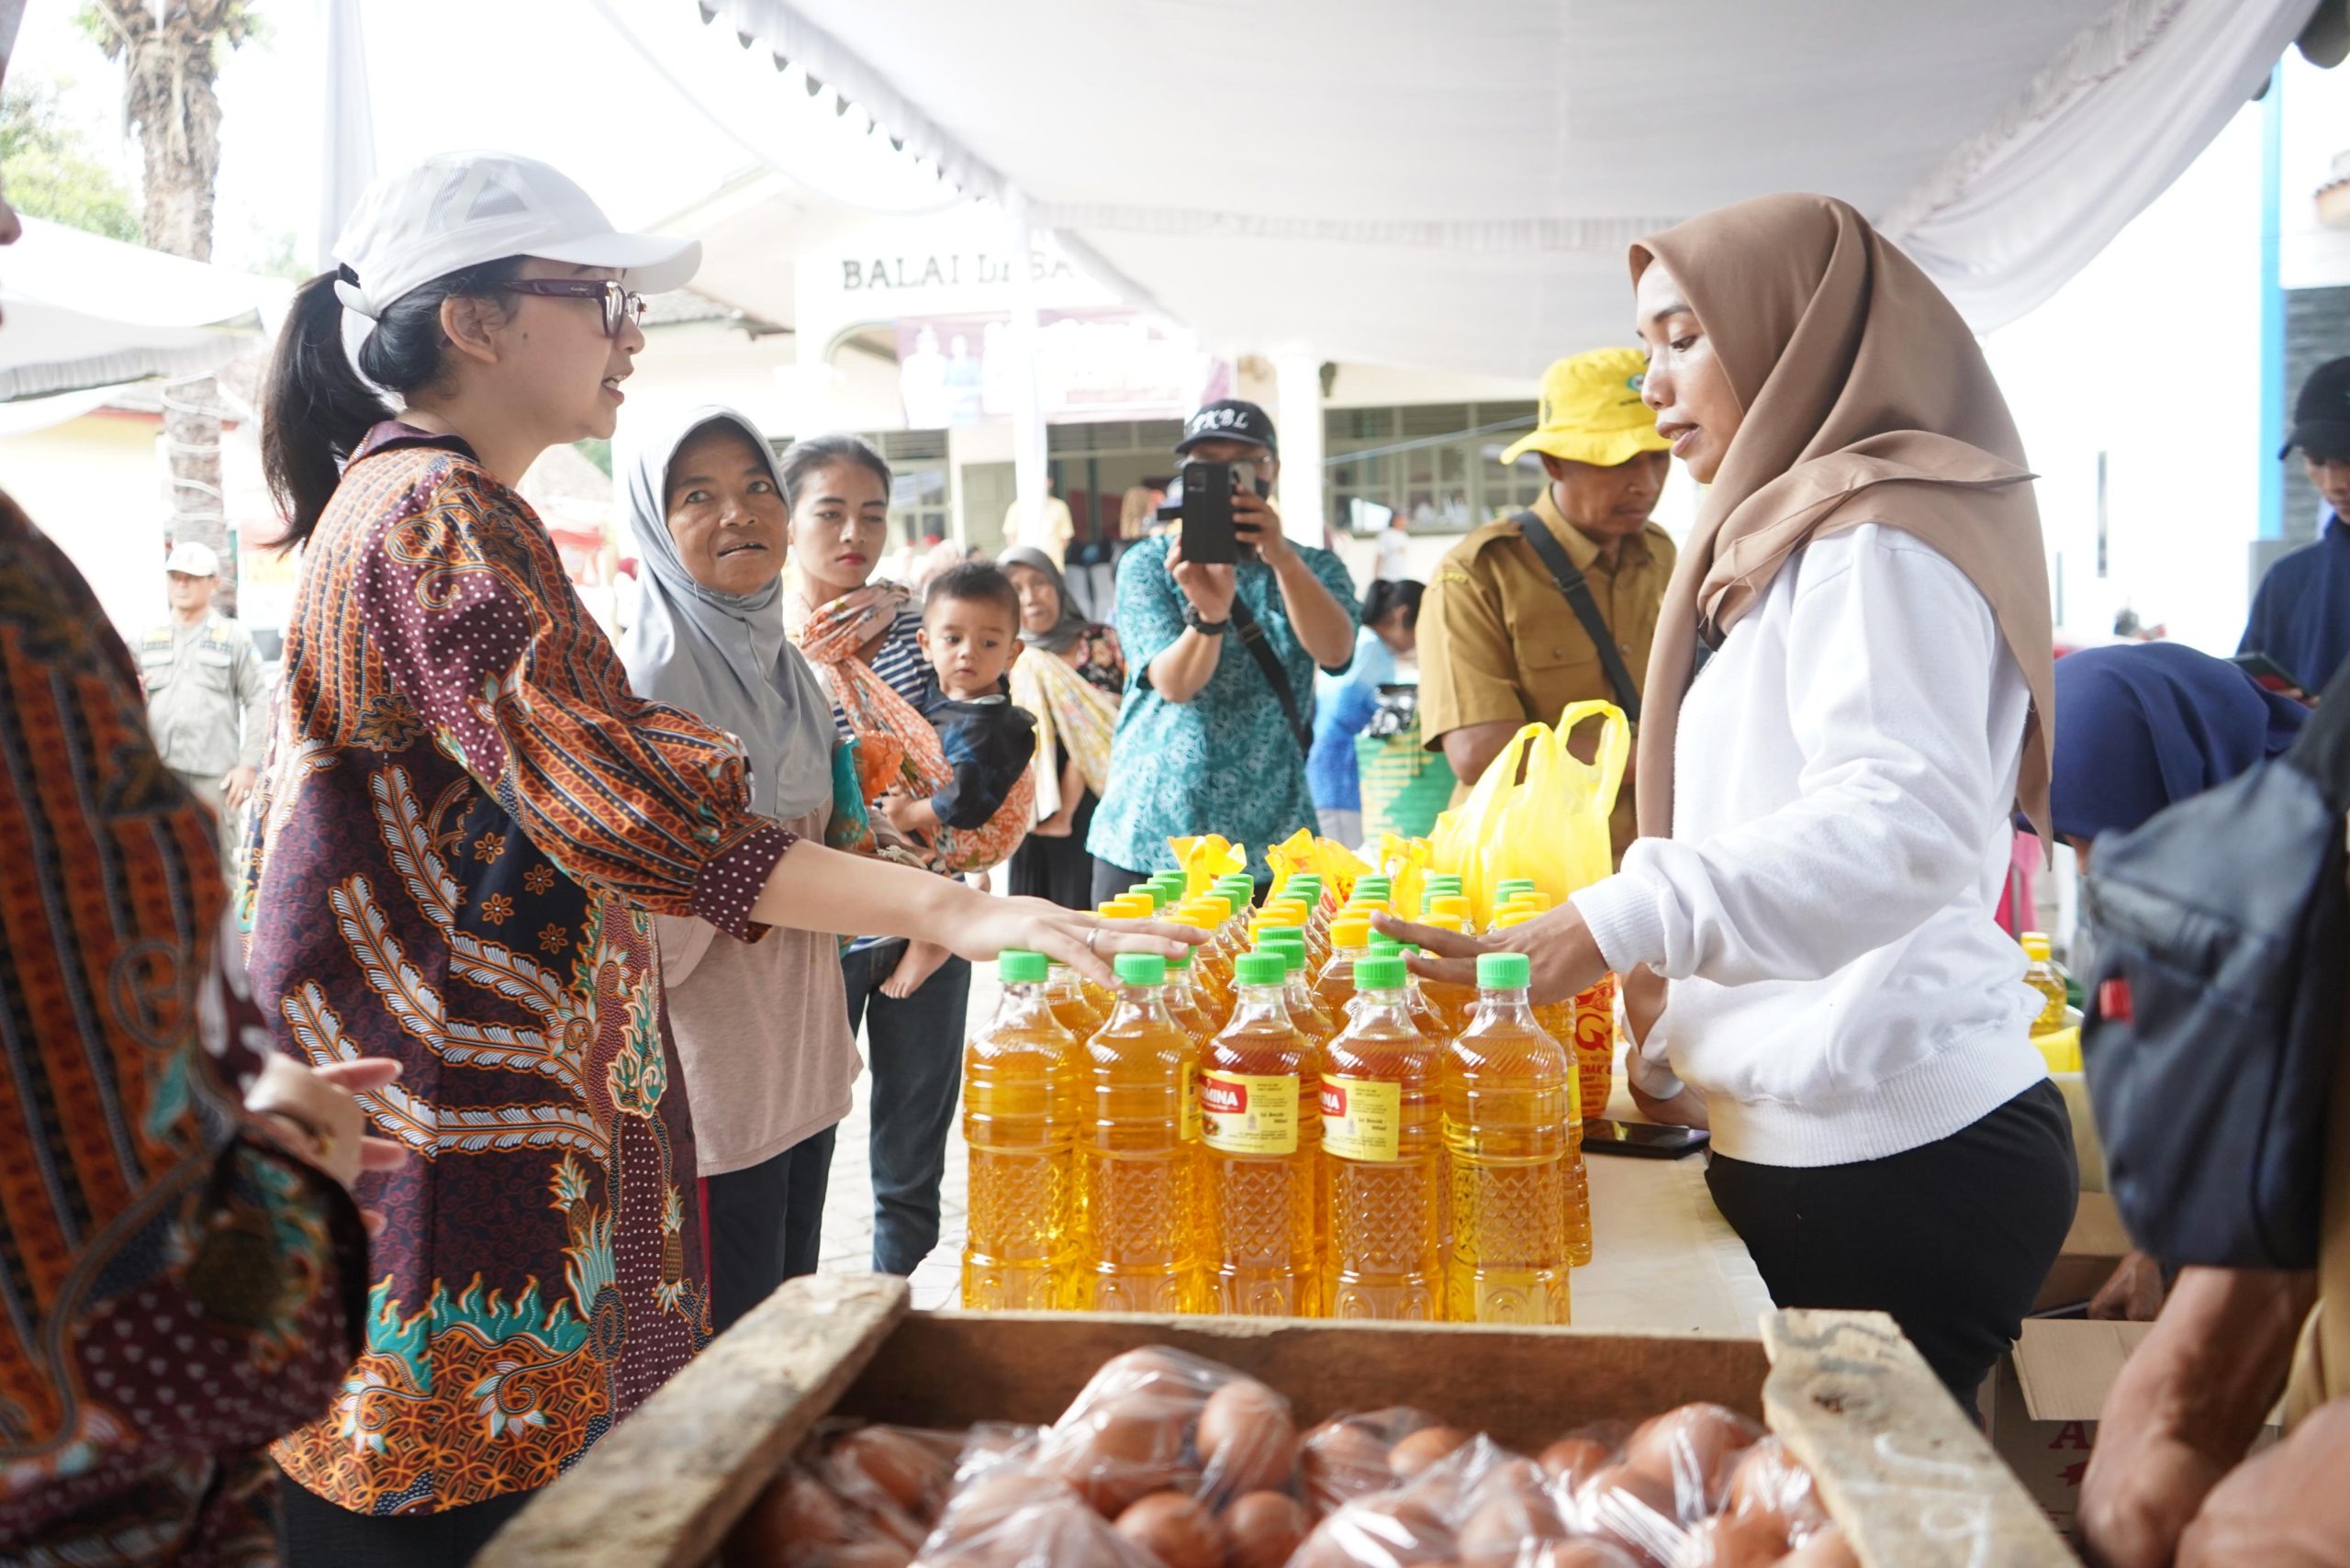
2035, 946
1592, 411
1281, 912
1538, 902
1361, 905
1127, 906
1449, 904
1350, 931
1515, 917
1444, 920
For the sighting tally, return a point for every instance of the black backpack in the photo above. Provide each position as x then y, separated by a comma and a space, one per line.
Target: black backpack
2215, 1009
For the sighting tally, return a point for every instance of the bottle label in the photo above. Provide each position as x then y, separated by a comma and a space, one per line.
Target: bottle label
1188, 1112
1362, 1118
1249, 1114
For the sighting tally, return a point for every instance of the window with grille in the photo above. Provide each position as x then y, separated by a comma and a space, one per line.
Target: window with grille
1437, 464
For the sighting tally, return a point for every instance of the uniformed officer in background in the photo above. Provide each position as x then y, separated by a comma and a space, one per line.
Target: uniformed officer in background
208, 696
1503, 641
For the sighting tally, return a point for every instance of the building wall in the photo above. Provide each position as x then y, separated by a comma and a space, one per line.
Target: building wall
95, 486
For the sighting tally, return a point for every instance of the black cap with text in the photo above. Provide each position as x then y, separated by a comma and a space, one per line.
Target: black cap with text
1229, 418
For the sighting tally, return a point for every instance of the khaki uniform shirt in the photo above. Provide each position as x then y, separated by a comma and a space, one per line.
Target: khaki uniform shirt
1498, 642
208, 697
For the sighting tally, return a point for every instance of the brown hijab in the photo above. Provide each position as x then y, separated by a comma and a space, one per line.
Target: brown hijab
1866, 400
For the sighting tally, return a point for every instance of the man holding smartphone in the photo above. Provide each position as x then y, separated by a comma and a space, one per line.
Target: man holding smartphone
1218, 717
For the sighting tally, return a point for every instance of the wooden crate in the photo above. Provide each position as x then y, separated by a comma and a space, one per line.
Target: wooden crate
1915, 1484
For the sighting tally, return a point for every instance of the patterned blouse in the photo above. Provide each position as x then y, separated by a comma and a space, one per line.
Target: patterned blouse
177, 1291
1099, 659
467, 825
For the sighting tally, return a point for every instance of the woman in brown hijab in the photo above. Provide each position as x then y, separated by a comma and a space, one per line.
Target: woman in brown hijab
1824, 809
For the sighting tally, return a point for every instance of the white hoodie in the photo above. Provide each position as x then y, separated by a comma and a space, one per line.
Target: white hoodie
1842, 786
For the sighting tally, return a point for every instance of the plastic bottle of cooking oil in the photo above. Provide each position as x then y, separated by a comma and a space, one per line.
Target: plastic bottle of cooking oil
1505, 1096
1453, 1003
1211, 969
1020, 1119
1183, 1000
1069, 1003
1559, 1020
2043, 975
1335, 986
1258, 1093
1509, 887
1306, 1010
1383, 1156
1138, 1154
1431, 1021
1454, 904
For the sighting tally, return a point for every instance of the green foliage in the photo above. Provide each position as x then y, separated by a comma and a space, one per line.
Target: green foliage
51, 171
597, 451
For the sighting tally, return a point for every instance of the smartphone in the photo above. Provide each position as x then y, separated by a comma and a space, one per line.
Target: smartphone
1208, 537
2267, 672
1642, 1140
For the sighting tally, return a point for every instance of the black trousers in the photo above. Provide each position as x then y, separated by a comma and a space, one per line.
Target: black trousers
766, 1224
1057, 869
315, 1533
1952, 1239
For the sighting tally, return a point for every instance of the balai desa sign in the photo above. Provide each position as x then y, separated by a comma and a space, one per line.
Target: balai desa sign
901, 274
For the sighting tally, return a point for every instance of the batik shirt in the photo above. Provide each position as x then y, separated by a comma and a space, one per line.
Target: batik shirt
467, 825
174, 1290
1226, 761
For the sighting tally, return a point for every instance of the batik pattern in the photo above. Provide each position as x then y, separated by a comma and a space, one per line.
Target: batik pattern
465, 828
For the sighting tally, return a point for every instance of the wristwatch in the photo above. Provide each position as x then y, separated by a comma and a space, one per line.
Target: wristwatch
1205, 628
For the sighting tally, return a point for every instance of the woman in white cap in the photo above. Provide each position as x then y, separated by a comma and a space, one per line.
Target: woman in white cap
467, 827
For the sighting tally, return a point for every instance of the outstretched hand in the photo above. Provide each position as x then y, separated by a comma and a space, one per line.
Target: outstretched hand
1565, 960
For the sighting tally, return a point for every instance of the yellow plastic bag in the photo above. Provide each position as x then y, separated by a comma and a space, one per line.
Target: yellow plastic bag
1405, 864
1205, 859
1537, 812
1303, 853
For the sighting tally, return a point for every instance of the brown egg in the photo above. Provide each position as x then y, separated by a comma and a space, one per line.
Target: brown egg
1691, 1448
1002, 1491
1828, 1548
1390, 1528
1571, 1461
1767, 1479
1630, 1508
1118, 1452
797, 1511
1247, 1439
1265, 1528
1511, 1474
1423, 1447
1339, 1460
1753, 1541
1504, 1524
1584, 1554
906, 1469
1176, 1529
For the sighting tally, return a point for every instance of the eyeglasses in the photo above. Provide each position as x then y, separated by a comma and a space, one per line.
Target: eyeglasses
619, 304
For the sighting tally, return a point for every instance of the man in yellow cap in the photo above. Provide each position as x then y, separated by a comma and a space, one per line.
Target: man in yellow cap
1557, 604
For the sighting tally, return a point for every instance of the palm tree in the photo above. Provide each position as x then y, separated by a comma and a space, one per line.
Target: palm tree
171, 52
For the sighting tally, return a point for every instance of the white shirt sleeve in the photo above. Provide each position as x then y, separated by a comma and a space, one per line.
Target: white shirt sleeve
1893, 654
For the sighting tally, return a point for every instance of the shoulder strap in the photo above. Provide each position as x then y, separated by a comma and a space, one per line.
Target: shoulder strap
1578, 594
1252, 637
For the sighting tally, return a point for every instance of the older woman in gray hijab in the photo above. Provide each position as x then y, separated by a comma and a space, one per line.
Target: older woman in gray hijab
762, 1028
1074, 698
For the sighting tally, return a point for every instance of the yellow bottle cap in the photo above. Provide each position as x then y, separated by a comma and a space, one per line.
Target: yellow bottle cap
1350, 930
1283, 911
1445, 919
1449, 904
1360, 903
1538, 902
1127, 906
2036, 947
1515, 917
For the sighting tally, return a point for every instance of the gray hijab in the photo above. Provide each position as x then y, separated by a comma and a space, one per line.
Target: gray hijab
1072, 624
723, 656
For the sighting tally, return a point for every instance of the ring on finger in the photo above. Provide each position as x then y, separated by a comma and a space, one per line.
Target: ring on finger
1089, 941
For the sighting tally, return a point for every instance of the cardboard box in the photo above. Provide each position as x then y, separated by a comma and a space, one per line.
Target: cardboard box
2046, 1398
1914, 1482
2092, 1248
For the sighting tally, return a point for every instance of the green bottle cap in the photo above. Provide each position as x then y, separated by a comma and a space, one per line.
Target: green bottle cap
1382, 944
1380, 885
1151, 890
1504, 971
1380, 974
1262, 966
1015, 966
1179, 963
1508, 885
1141, 969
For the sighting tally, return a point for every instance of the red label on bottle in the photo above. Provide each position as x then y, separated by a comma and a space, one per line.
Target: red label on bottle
1223, 1097
1334, 1099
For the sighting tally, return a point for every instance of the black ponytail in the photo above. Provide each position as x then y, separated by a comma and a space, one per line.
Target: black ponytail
1386, 594
318, 409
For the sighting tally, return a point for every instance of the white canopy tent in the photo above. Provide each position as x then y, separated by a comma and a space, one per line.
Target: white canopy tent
86, 312
1454, 187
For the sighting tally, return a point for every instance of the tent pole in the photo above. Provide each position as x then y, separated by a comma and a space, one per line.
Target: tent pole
1027, 409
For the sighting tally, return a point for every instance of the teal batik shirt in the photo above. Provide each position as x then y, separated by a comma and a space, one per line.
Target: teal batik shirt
1226, 761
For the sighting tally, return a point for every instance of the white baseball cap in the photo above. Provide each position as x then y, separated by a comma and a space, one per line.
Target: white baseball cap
460, 209
193, 559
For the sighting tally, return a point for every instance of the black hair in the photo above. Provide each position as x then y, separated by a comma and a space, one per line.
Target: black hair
974, 582
1386, 593
805, 457
317, 408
